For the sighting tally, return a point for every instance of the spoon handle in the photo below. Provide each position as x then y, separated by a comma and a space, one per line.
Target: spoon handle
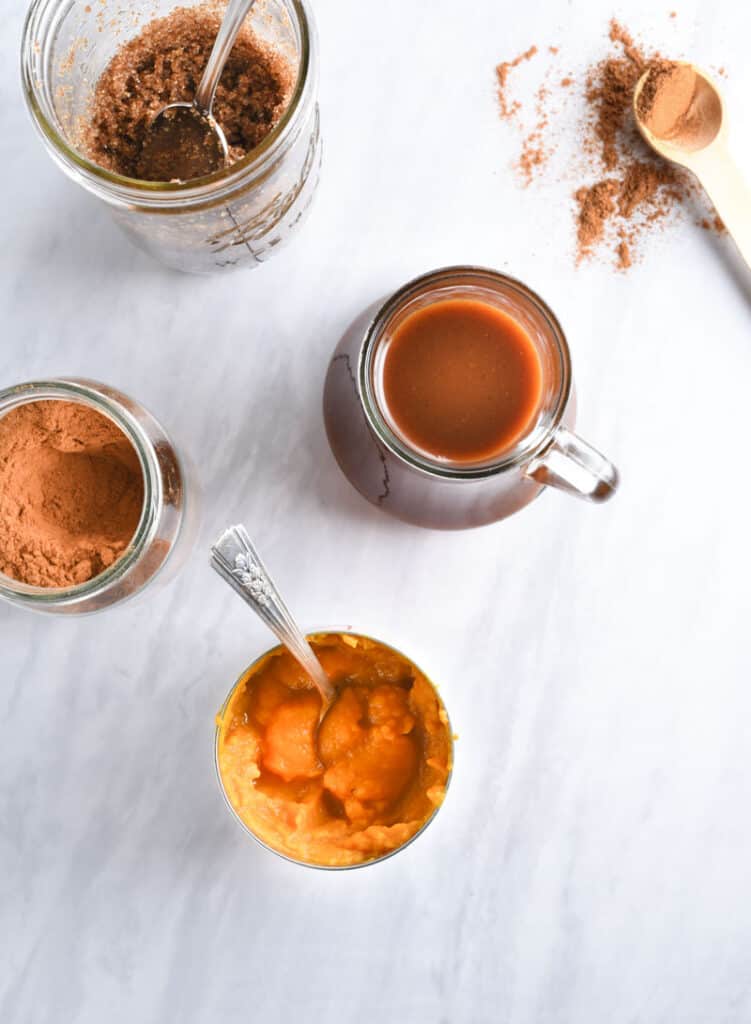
236, 560
234, 16
730, 194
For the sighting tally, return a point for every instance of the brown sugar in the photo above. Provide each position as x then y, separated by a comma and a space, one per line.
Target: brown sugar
623, 190
71, 493
163, 64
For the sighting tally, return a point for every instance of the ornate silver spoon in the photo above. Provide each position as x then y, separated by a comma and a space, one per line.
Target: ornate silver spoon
184, 140
238, 563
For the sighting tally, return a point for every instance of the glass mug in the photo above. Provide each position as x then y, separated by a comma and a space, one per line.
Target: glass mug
398, 478
238, 216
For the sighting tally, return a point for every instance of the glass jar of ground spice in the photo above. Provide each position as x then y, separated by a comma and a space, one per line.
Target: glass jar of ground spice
95, 72
92, 497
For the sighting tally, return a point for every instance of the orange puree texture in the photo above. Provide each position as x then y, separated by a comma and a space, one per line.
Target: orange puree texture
354, 789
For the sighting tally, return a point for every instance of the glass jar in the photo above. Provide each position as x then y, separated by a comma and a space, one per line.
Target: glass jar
247, 674
238, 216
152, 550
404, 481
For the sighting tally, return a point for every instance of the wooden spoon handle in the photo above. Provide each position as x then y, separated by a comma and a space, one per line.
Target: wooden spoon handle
730, 194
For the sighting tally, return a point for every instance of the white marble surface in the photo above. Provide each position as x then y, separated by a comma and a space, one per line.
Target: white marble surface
592, 860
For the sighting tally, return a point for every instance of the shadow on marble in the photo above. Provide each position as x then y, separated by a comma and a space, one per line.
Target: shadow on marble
338, 495
279, 464
84, 242
166, 809
734, 264
724, 248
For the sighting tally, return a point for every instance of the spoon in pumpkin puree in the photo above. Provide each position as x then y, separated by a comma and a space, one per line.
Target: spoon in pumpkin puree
237, 561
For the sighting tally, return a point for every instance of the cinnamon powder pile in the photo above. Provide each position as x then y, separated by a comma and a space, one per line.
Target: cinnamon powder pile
678, 105
624, 190
71, 493
164, 64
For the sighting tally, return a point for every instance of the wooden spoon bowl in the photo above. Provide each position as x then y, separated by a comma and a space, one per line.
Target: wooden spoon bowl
684, 120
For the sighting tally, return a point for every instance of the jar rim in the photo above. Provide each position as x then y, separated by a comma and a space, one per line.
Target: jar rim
156, 193
311, 634
530, 446
87, 393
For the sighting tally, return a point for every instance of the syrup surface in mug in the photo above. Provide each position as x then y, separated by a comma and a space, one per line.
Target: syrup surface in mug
461, 381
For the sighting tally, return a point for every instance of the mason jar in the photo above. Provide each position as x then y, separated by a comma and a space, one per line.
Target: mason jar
164, 532
238, 216
399, 478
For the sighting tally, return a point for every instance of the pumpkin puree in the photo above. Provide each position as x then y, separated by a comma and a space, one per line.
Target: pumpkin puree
354, 789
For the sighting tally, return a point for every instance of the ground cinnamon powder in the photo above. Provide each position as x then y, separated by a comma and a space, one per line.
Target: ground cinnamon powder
164, 64
534, 152
643, 188
71, 493
509, 107
677, 105
626, 190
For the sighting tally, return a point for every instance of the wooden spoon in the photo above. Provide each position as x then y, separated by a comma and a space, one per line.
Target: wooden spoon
696, 138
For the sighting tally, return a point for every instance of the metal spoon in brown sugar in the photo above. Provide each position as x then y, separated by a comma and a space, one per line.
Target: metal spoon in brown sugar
184, 141
681, 115
238, 563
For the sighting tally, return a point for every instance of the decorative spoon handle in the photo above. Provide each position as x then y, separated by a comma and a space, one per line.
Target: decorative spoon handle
234, 16
236, 560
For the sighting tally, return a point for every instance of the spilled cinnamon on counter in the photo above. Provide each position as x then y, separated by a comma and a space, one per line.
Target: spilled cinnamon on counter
508, 107
534, 152
626, 191
71, 493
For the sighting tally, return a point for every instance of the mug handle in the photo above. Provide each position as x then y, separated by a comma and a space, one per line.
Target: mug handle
572, 465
